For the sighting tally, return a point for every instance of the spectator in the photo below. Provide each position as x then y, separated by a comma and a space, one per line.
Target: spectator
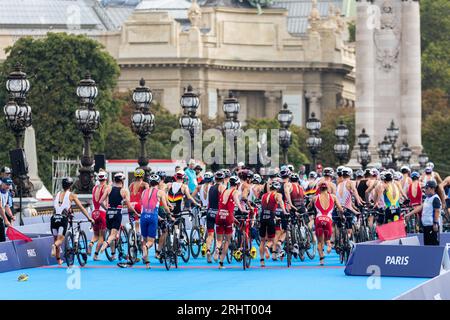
5, 172
431, 209
5, 210
191, 176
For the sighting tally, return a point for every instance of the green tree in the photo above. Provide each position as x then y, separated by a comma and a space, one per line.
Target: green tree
55, 64
435, 30
435, 141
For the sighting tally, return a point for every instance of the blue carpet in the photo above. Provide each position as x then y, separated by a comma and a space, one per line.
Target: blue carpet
199, 280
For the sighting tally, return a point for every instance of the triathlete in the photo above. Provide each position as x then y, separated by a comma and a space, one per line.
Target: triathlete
151, 199
324, 203
225, 217
270, 202
99, 214
61, 215
214, 193
113, 200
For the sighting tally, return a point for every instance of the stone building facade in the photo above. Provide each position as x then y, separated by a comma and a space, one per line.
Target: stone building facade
218, 47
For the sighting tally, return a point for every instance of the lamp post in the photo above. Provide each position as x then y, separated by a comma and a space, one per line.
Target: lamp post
189, 121
392, 135
364, 156
313, 142
285, 119
231, 125
18, 117
423, 159
405, 153
341, 148
385, 148
142, 121
88, 120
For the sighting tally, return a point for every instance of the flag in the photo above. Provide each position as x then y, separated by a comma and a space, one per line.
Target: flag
13, 234
391, 230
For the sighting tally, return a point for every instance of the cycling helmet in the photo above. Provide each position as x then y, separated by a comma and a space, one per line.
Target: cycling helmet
6, 170
154, 179
102, 176
272, 173
430, 164
227, 173
415, 175
428, 170
285, 173
208, 176
374, 172
294, 177
339, 170
347, 172
359, 173
328, 172
382, 175
275, 185
66, 182
245, 174
398, 176
367, 173
405, 169
234, 181
161, 174
119, 176
388, 176
139, 173
290, 167
313, 174
219, 175
256, 179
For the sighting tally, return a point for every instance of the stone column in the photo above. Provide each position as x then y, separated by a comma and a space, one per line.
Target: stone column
411, 108
365, 82
272, 103
314, 98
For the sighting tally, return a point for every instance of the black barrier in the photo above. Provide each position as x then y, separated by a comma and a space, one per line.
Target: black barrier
8, 257
396, 260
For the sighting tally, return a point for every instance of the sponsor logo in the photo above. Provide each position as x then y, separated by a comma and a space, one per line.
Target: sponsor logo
3, 257
397, 260
31, 253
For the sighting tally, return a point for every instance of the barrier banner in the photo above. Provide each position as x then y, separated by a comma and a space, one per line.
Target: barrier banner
8, 257
434, 289
33, 254
392, 230
396, 260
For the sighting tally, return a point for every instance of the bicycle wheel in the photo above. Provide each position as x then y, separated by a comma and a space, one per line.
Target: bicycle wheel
342, 244
82, 249
132, 246
247, 248
167, 253
175, 251
310, 244
230, 252
122, 243
183, 244
69, 252
195, 242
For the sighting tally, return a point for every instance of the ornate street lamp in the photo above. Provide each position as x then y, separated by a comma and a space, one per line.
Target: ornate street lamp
88, 121
313, 142
231, 125
341, 148
423, 159
285, 119
364, 156
18, 117
142, 121
393, 133
405, 153
190, 102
